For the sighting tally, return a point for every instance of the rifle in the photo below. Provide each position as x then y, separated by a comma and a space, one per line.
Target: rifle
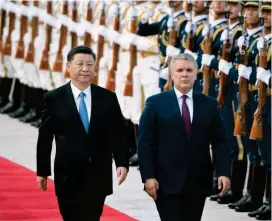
8, 46
2, 25
110, 85
128, 90
172, 41
191, 38
44, 64
100, 45
34, 28
240, 123
225, 56
256, 132
58, 64
20, 51
207, 50
89, 18
73, 34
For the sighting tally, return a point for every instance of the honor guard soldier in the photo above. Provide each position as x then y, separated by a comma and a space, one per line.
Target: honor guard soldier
261, 129
247, 97
193, 33
160, 28
227, 99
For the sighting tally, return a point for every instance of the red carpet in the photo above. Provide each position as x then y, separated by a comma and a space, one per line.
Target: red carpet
22, 200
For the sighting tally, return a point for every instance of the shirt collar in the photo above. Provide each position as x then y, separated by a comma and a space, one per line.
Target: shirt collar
176, 14
76, 91
179, 94
233, 25
199, 18
251, 32
219, 21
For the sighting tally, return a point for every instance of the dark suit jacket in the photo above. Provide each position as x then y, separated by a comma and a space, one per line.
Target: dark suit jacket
166, 153
81, 156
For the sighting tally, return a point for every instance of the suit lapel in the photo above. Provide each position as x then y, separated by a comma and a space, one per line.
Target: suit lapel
176, 111
94, 106
196, 112
72, 109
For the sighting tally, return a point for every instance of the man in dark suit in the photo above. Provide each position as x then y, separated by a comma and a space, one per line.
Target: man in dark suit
88, 127
175, 133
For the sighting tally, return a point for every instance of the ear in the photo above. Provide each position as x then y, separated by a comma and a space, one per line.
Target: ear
68, 66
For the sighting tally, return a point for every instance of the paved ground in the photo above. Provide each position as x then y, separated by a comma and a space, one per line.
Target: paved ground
18, 141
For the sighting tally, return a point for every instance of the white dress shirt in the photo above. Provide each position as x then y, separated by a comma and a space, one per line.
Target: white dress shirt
189, 101
87, 98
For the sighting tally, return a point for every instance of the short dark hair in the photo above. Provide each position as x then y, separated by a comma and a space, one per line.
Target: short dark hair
80, 50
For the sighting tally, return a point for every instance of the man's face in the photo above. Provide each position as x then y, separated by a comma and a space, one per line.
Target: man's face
172, 3
198, 6
267, 18
81, 68
184, 75
218, 7
233, 9
252, 15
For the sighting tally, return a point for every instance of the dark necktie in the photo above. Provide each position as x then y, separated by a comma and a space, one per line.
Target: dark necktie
186, 115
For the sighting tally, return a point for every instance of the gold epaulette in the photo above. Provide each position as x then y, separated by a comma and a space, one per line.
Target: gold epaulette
199, 29
219, 29
125, 12
252, 45
181, 19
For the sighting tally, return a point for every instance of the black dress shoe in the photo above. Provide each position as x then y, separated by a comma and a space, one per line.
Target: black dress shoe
31, 116
266, 214
133, 161
248, 206
3, 103
228, 198
36, 123
258, 211
19, 112
215, 197
9, 107
241, 201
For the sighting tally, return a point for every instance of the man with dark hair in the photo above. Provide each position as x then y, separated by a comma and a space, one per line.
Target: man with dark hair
88, 126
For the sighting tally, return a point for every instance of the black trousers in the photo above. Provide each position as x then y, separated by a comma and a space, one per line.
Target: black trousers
81, 206
180, 207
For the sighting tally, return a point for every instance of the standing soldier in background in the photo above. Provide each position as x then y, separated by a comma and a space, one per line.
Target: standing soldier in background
161, 29
256, 178
193, 30
264, 95
227, 100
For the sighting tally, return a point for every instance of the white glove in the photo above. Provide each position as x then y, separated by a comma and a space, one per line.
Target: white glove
188, 27
205, 30
224, 35
260, 44
132, 14
148, 14
207, 59
191, 53
164, 73
224, 66
241, 41
172, 51
244, 71
263, 75
171, 23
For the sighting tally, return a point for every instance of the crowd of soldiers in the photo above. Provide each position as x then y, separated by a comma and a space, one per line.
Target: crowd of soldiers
134, 42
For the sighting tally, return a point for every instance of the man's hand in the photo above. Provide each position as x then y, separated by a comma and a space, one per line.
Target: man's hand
121, 174
151, 187
42, 182
224, 184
